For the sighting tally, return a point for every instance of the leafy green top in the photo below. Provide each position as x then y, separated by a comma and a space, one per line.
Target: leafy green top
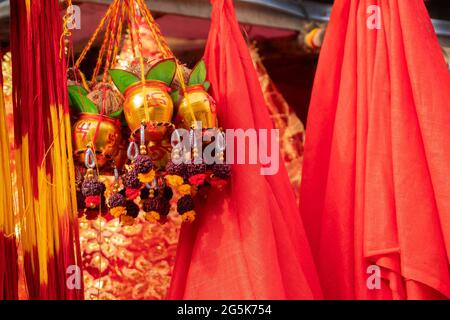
163, 70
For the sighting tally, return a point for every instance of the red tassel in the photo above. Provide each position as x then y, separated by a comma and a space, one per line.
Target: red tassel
43, 150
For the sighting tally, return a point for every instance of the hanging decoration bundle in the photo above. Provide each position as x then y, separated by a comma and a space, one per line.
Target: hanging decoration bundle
144, 100
43, 152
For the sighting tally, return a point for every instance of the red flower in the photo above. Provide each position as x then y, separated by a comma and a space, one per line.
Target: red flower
132, 193
217, 182
92, 201
198, 179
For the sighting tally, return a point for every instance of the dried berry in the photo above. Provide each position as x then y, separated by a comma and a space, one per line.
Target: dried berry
194, 169
143, 164
176, 169
116, 200
92, 187
131, 180
222, 171
132, 209
185, 204
159, 205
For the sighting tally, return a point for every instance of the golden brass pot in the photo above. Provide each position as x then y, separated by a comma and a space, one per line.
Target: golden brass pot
197, 102
106, 132
159, 108
160, 151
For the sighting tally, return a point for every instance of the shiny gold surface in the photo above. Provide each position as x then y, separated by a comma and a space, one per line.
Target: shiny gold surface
159, 107
160, 151
107, 139
198, 102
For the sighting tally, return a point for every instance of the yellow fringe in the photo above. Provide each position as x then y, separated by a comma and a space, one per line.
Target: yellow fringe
6, 193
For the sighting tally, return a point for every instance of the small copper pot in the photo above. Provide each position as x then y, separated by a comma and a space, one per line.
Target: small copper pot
197, 105
159, 108
105, 131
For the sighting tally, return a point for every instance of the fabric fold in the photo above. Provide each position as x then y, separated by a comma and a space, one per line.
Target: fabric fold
375, 189
249, 241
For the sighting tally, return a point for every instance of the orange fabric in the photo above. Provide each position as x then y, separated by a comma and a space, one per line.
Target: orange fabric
375, 186
248, 241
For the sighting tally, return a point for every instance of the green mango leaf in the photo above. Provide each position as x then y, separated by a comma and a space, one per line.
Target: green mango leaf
79, 100
88, 106
206, 85
74, 91
116, 114
78, 89
123, 79
175, 96
198, 74
163, 70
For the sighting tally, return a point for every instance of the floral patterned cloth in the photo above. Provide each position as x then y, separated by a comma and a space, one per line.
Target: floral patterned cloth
292, 131
130, 263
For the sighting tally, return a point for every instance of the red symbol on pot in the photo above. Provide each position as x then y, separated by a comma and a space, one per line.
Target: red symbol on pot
83, 128
155, 99
112, 137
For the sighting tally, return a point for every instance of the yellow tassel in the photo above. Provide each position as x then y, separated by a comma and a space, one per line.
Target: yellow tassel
174, 181
188, 216
118, 211
147, 177
6, 193
152, 216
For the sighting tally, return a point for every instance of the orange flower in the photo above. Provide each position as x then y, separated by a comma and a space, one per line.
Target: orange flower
188, 216
118, 211
152, 216
147, 177
174, 181
126, 220
184, 189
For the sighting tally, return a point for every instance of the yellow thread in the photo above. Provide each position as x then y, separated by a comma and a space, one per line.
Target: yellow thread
119, 36
66, 32
93, 38
134, 22
6, 194
164, 48
101, 53
113, 39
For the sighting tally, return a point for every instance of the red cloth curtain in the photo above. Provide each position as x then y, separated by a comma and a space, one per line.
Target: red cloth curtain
248, 241
375, 186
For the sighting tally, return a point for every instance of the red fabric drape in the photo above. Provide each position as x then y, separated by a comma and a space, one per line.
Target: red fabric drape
375, 184
248, 241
